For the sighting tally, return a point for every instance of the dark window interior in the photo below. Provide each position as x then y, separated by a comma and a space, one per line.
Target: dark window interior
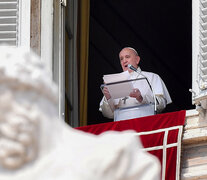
161, 33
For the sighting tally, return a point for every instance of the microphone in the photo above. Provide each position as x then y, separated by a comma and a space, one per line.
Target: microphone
132, 68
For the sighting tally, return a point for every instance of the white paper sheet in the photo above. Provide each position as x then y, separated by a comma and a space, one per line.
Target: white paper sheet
118, 89
110, 78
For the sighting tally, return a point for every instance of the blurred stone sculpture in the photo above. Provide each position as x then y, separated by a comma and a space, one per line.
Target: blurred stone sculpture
36, 145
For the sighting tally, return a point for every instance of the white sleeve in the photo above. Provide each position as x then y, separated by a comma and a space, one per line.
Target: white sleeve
161, 103
107, 108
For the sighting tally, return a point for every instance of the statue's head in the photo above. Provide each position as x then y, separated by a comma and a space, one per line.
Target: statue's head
28, 107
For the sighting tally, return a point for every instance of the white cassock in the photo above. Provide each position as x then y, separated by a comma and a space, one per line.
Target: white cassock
112, 106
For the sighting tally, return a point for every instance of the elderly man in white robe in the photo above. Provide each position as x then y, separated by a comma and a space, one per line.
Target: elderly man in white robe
36, 145
149, 89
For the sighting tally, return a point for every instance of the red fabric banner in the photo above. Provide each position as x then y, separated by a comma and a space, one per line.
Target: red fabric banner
164, 138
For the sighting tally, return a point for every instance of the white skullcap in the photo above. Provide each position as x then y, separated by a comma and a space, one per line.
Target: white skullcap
132, 50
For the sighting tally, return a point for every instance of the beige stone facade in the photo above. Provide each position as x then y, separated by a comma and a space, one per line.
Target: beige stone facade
194, 147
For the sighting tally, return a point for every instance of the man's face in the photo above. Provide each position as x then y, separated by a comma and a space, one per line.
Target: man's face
128, 56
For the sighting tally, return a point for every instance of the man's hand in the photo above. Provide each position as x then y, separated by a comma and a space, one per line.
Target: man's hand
106, 93
136, 94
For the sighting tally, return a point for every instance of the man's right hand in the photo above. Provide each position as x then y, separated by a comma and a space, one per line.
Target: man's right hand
106, 93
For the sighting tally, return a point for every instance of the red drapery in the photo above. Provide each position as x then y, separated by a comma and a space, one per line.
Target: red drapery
167, 141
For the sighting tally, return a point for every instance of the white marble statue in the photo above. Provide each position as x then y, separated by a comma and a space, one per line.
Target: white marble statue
36, 145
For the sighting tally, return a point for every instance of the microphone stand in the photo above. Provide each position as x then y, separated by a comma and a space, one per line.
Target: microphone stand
138, 70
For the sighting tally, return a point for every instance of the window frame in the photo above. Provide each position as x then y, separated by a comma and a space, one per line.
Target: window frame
199, 93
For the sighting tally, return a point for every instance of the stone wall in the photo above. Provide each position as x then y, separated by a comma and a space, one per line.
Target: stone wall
194, 147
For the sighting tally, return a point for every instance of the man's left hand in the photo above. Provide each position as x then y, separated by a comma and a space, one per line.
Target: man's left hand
136, 94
